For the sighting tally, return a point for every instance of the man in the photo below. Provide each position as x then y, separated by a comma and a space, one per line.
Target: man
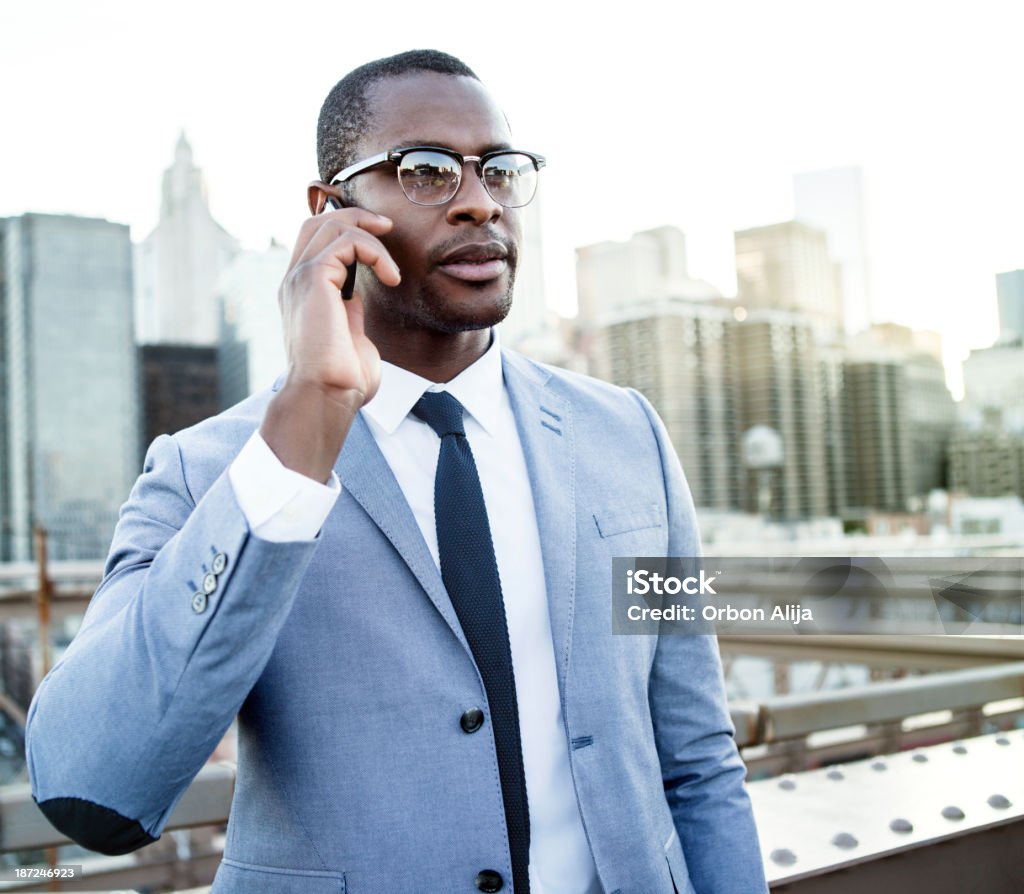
428, 694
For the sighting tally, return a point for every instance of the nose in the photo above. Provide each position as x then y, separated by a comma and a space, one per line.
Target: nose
473, 203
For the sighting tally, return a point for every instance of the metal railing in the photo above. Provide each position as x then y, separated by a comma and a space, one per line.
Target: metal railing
794, 732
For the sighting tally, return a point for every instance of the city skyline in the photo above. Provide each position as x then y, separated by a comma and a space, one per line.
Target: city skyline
747, 95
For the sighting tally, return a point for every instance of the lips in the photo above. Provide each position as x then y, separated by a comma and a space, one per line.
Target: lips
475, 261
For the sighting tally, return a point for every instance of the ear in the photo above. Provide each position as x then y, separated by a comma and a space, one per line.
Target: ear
317, 194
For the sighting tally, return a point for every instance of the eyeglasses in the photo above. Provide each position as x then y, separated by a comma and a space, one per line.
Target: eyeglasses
431, 175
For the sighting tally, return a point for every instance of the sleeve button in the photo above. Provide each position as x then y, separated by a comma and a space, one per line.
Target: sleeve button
199, 603
220, 562
209, 582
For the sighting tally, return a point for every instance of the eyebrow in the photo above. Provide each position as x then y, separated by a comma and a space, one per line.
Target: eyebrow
440, 144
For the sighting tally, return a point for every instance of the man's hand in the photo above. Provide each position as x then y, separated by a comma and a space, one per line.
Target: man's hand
333, 368
324, 338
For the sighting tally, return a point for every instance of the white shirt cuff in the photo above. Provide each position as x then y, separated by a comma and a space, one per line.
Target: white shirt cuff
279, 503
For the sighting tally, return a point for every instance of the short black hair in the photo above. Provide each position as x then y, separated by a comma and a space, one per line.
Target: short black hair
346, 112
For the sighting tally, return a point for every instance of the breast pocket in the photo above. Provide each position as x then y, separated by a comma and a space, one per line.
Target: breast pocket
246, 878
617, 520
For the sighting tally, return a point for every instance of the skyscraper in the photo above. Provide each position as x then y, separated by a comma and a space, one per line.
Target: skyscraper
929, 413
1010, 294
781, 386
988, 460
647, 325
68, 383
994, 379
879, 459
680, 356
833, 201
180, 386
645, 271
178, 265
786, 266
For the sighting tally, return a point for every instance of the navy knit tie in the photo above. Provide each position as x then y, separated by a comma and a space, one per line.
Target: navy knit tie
470, 574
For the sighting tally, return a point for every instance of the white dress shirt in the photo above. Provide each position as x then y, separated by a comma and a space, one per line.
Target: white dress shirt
281, 504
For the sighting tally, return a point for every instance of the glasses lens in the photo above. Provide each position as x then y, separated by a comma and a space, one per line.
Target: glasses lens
511, 179
429, 178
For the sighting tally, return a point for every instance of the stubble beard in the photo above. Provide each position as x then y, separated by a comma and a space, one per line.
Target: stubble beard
430, 309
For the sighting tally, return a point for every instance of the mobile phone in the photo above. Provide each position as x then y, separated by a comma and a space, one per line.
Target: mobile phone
350, 278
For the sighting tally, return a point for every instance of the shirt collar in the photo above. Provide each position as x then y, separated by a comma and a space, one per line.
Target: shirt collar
478, 388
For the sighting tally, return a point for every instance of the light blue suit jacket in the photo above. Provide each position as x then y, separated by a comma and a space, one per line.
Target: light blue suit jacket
345, 663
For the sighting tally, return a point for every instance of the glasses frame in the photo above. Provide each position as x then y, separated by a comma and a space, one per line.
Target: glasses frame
395, 156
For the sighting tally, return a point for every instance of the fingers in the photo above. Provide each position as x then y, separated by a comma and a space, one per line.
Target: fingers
316, 232
350, 247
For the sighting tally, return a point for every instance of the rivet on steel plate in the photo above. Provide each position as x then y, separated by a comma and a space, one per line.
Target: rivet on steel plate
901, 825
845, 840
959, 749
835, 774
920, 758
783, 856
787, 783
1002, 740
1000, 802
879, 765
952, 813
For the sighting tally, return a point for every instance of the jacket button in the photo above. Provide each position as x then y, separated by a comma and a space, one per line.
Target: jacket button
209, 582
489, 881
470, 722
220, 562
199, 602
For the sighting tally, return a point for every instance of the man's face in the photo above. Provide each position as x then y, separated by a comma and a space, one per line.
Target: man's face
453, 112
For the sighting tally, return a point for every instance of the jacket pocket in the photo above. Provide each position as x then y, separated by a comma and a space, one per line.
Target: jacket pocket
677, 866
623, 519
246, 878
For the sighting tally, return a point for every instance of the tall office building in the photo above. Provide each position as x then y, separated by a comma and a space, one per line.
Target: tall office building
1010, 294
835, 424
180, 387
880, 472
833, 201
994, 379
641, 273
680, 356
782, 386
787, 266
68, 383
987, 460
929, 410
178, 265
643, 323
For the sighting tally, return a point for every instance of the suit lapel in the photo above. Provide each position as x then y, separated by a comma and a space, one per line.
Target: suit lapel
544, 422
368, 478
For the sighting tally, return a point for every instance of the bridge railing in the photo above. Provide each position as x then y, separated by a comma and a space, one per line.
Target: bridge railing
787, 733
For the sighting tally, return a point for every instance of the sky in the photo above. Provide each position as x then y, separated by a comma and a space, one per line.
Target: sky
692, 114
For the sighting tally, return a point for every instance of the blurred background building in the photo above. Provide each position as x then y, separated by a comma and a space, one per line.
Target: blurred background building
833, 201
787, 266
178, 265
1010, 296
69, 409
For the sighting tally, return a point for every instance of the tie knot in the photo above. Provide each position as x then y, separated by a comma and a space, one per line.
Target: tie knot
441, 411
